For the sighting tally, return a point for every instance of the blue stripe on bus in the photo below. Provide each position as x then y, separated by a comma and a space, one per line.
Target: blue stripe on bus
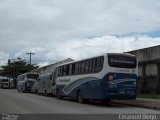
73, 85
121, 81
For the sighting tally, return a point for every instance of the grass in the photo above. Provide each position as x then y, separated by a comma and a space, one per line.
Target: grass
138, 103
141, 103
151, 96
130, 102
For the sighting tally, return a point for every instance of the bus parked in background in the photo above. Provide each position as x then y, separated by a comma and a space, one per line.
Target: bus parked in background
34, 86
25, 81
4, 82
105, 77
44, 84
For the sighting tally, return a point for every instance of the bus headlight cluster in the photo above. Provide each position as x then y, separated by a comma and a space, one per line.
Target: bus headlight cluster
110, 77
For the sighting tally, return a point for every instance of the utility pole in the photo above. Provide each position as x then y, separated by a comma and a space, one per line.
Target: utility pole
30, 54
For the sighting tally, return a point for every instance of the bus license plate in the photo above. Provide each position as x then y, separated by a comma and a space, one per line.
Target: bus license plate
122, 91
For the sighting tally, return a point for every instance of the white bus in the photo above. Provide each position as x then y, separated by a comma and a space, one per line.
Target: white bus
105, 77
4, 82
44, 84
25, 81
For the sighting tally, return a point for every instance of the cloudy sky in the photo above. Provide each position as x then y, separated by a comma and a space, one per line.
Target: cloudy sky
58, 29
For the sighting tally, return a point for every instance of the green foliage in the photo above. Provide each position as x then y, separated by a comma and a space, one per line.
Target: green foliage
16, 68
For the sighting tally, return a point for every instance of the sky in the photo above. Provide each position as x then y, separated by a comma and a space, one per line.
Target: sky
58, 29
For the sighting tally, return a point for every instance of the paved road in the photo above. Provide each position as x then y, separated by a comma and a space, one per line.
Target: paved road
19, 103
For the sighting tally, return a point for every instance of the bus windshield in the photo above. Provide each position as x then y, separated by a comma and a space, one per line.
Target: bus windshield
5, 80
32, 76
122, 61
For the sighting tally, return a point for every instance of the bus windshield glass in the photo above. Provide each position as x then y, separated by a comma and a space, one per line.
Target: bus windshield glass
34, 76
122, 61
5, 80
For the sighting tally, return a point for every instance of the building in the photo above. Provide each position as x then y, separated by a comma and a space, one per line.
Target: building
50, 68
149, 69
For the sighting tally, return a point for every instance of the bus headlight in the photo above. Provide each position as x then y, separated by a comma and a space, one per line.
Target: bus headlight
110, 77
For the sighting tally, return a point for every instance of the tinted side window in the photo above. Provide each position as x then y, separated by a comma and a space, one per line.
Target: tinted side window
82, 67
73, 68
70, 69
94, 65
99, 63
86, 66
67, 69
76, 68
90, 66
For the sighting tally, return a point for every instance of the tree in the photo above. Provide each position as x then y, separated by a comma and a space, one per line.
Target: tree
13, 69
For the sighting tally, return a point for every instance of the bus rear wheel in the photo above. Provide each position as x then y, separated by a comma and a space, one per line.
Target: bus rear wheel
38, 92
105, 102
46, 94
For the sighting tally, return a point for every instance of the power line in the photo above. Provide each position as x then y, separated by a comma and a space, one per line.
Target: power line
30, 54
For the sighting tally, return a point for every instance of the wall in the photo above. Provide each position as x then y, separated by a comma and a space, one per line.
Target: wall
148, 59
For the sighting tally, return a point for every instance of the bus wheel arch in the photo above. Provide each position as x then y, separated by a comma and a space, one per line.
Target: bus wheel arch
46, 94
80, 96
58, 94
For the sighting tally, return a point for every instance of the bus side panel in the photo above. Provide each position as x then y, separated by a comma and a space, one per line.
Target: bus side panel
59, 88
91, 89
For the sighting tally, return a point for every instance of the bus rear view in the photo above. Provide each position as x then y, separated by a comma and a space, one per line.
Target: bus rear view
26, 81
121, 76
4, 82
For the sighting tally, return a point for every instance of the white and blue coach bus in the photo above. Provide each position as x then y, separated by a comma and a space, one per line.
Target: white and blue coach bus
25, 81
105, 77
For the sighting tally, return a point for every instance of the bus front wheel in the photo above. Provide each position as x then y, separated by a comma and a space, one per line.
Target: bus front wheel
80, 97
59, 96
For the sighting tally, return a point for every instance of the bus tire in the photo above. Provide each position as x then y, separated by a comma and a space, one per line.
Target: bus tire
18, 90
80, 97
46, 94
23, 89
38, 93
59, 96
